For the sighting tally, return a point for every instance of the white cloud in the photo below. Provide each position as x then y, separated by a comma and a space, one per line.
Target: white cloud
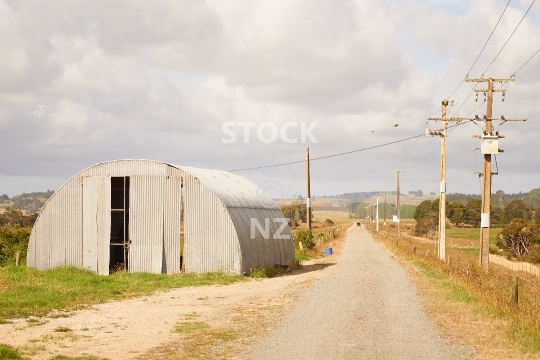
89, 81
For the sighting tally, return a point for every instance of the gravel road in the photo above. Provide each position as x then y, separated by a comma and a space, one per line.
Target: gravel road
364, 307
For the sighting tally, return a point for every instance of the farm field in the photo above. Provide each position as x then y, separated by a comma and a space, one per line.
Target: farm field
320, 216
472, 234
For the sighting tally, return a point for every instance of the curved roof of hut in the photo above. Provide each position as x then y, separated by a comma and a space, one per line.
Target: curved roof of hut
233, 190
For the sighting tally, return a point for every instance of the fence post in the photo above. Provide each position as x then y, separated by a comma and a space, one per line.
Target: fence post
515, 285
18, 258
414, 249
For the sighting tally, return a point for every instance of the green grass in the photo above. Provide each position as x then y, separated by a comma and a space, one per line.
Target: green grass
189, 327
300, 255
9, 353
61, 357
264, 272
452, 290
62, 329
472, 234
28, 292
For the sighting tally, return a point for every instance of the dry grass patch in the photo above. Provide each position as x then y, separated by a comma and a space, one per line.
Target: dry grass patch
472, 304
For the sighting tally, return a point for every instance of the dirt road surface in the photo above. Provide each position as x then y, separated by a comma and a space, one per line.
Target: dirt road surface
364, 307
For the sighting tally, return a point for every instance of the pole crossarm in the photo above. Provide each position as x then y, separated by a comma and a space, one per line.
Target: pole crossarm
486, 90
483, 79
478, 118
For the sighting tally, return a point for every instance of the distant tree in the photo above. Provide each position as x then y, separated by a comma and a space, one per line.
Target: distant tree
497, 199
425, 209
497, 217
533, 198
432, 193
296, 211
517, 209
455, 212
407, 211
361, 210
473, 210
389, 211
13, 217
462, 198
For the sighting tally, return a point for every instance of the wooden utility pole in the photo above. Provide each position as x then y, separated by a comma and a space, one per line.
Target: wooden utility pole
486, 173
486, 186
384, 210
367, 207
441, 243
377, 215
308, 192
489, 146
398, 205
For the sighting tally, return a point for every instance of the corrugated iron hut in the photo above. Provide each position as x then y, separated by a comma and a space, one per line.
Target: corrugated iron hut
141, 215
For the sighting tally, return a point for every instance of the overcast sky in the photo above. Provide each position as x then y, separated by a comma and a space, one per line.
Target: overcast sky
88, 81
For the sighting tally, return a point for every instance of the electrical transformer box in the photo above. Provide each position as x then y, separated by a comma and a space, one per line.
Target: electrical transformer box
490, 144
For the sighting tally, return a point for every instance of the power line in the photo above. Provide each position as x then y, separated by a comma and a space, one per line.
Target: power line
451, 128
340, 154
515, 72
292, 182
490, 35
386, 128
512, 34
334, 155
481, 51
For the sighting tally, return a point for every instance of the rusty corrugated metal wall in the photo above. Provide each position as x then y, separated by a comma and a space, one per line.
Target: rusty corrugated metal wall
74, 225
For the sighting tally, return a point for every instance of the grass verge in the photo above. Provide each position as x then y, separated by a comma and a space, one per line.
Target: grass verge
462, 280
28, 292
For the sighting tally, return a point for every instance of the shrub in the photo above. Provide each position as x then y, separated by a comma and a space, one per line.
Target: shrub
328, 222
293, 224
306, 238
426, 226
519, 237
12, 239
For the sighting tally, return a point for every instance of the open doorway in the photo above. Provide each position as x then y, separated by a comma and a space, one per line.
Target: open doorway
119, 239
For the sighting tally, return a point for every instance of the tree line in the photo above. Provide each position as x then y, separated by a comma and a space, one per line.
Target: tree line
29, 202
15, 229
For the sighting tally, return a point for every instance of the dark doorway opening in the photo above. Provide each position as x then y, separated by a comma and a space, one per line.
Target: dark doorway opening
119, 240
